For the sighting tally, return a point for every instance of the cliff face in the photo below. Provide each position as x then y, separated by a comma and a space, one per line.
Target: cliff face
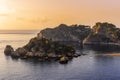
67, 33
100, 33
104, 32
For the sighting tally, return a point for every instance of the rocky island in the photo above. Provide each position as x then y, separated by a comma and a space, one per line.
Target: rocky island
104, 35
64, 32
72, 35
101, 35
53, 43
42, 49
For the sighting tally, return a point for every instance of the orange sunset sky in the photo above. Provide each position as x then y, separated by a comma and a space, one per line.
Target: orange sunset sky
39, 14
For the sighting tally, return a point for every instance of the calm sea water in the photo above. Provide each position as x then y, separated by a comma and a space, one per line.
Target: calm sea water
88, 67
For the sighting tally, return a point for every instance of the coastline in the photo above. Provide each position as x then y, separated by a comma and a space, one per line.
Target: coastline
102, 43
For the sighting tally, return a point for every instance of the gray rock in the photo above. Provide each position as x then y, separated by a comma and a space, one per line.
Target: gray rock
21, 51
29, 54
63, 60
15, 54
67, 33
52, 55
103, 33
39, 54
8, 50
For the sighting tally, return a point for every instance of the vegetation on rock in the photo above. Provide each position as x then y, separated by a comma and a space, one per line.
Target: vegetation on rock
46, 45
67, 33
104, 32
42, 49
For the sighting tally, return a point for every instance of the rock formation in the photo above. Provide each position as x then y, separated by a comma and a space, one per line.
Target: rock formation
46, 45
42, 49
103, 33
8, 50
67, 33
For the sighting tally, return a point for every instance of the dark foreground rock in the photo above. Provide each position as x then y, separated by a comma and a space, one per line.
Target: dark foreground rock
43, 49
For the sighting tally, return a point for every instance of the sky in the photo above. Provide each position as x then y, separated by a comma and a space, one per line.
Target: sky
40, 14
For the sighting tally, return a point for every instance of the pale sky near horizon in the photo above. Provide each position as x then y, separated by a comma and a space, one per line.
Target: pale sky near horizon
39, 14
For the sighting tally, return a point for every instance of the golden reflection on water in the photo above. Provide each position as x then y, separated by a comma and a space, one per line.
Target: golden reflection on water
109, 54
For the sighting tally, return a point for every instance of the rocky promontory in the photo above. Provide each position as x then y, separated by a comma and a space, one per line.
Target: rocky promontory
42, 49
100, 35
71, 35
104, 36
64, 32
103, 33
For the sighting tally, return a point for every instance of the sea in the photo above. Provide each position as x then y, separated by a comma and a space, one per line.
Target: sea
88, 67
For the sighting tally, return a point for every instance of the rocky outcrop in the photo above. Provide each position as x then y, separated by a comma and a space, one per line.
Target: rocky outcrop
67, 33
8, 50
63, 60
103, 33
118, 33
43, 49
47, 44
15, 54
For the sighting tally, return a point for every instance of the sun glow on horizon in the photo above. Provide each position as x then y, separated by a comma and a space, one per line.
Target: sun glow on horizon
4, 9
40, 14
